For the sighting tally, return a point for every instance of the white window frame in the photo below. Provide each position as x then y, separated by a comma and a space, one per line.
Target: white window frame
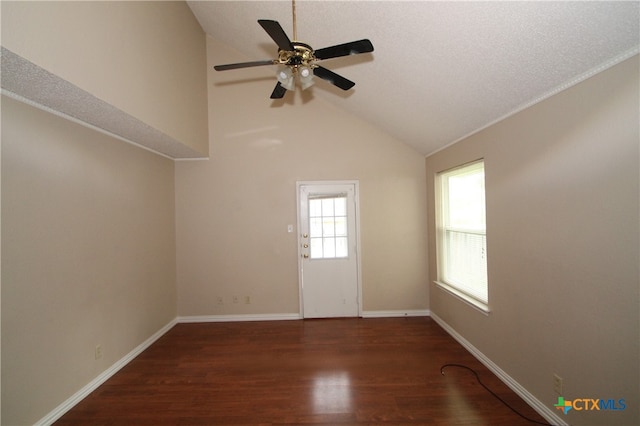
442, 227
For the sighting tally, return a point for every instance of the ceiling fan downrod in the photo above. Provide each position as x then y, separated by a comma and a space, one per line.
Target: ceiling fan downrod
293, 12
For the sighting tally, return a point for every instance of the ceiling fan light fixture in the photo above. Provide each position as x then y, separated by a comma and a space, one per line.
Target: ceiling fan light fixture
285, 77
306, 77
305, 72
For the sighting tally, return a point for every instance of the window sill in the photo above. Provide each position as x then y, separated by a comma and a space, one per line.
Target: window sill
479, 306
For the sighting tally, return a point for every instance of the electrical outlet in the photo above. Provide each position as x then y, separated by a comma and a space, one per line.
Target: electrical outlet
557, 384
235, 299
220, 300
98, 351
247, 300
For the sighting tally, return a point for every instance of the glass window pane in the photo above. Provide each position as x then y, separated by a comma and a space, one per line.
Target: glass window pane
340, 205
329, 247
327, 207
315, 208
316, 248
315, 227
341, 226
328, 227
466, 200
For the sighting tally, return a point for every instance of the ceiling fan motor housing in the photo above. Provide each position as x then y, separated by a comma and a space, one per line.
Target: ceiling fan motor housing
302, 54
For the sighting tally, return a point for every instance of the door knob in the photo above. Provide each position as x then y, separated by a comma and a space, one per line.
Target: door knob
305, 255
305, 235
306, 246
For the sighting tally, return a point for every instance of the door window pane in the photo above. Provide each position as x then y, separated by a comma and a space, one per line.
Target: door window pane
328, 227
315, 208
315, 227
341, 226
328, 220
329, 247
340, 205
316, 248
341, 247
327, 207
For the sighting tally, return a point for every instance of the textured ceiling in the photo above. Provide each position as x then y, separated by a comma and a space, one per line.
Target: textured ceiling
440, 70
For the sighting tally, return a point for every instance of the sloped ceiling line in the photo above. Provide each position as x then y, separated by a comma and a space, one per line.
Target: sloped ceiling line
627, 55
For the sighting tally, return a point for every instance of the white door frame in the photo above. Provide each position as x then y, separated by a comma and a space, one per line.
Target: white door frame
356, 197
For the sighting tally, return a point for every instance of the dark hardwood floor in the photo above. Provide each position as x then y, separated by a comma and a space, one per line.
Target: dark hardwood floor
307, 372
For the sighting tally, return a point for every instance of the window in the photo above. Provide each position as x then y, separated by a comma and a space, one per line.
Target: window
462, 240
328, 226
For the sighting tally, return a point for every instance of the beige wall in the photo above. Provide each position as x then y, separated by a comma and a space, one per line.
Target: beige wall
144, 58
562, 188
88, 256
232, 211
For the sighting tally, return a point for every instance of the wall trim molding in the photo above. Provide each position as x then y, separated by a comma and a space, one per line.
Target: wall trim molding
233, 318
67, 405
396, 313
541, 408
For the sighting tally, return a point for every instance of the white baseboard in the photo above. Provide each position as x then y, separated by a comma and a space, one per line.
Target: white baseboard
61, 409
296, 316
232, 318
389, 314
541, 408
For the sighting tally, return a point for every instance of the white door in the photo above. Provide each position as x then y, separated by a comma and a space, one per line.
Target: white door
328, 248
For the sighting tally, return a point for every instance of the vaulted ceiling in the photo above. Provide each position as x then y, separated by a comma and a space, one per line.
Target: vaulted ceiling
440, 70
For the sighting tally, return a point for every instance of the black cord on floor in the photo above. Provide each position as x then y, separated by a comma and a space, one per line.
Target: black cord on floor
475, 373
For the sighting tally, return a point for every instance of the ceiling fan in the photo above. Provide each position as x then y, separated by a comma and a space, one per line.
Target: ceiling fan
297, 59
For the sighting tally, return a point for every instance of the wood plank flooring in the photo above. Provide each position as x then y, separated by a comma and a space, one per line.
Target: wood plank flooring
309, 372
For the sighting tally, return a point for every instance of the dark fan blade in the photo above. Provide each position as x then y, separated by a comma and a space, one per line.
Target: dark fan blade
276, 32
333, 78
278, 91
353, 48
243, 65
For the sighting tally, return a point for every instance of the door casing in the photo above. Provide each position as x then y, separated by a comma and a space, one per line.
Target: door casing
356, 186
